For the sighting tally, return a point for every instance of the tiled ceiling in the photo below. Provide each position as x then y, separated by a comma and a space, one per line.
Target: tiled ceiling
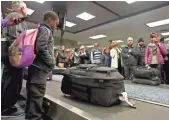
105, 11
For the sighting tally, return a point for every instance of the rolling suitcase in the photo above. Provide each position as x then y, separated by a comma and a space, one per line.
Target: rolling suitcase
99, 85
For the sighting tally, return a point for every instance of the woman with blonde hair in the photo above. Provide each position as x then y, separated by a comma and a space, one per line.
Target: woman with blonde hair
115, 56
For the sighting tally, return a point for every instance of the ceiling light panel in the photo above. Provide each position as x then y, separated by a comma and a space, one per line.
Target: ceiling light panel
98, 36
30, 11
40, 1
130, 1
166, 39
89, 46
85, 16
165, 34
70, 24
158, 23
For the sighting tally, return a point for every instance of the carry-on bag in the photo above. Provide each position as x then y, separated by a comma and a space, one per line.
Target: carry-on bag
153, 82
92, 83
145, 73
147, 76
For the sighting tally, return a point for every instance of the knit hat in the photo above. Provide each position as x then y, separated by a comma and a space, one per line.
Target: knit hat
140, 40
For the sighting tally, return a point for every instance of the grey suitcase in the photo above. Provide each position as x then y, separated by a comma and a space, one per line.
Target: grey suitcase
145, 73
153, 82
99, 85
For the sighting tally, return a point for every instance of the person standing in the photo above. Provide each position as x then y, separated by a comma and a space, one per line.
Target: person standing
84, 56
154, 53
95, 56
166, 65
104, 57
12, 77
62, 57
115, 54
110, 44
129, 56
43, 64
76, 57
141, 47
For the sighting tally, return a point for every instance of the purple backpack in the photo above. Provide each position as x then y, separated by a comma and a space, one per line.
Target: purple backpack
21, 52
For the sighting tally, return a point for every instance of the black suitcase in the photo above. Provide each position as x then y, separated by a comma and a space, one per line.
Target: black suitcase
145, 73
99, 85
152, 82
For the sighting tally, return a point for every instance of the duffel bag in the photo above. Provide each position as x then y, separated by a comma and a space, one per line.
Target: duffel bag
92, 83
145, 73
153, 82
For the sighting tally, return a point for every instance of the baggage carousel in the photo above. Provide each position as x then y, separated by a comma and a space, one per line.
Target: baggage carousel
67, 108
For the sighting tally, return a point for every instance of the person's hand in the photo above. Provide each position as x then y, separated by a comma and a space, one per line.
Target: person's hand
148, 67
14, 21
166, 58
129, 50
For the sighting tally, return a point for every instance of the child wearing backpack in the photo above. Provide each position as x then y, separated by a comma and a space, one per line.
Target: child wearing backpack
43, 64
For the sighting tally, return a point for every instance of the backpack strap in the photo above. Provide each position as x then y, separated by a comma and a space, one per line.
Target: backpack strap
49, 32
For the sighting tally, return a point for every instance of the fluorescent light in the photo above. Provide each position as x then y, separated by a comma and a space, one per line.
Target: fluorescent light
70, 24
40, 1
166, 39
164, 34
130, 1
30, 11
158, 23
98, 36
85, 16
89, 46
119, 41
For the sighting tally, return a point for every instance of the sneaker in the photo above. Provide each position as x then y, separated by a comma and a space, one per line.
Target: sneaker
12, 112
9, 111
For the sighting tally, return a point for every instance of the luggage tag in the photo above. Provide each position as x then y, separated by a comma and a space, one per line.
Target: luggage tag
124, 98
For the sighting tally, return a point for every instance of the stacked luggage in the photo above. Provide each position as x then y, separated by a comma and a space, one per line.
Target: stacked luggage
147, 76
92, 83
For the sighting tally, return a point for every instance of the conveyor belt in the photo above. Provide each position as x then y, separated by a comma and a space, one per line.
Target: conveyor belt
144, 111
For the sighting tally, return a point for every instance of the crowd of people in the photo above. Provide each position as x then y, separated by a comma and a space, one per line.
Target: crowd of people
124, 59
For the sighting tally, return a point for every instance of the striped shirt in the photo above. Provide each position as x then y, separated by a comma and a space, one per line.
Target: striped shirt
96, 56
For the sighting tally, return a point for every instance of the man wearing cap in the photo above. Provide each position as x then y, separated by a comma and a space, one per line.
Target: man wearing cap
141, 47
129, 56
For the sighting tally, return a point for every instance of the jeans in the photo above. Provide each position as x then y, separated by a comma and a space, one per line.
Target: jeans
128, 71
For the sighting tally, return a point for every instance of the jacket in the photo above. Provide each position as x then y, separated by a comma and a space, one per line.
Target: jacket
142, 55
76, 58
161, 51
4, 22
44, 49
104, 60
114, 57
61, 57
10, 33
84, 58
130, 58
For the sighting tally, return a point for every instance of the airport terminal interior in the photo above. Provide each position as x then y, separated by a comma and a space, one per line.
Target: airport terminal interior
84, 60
